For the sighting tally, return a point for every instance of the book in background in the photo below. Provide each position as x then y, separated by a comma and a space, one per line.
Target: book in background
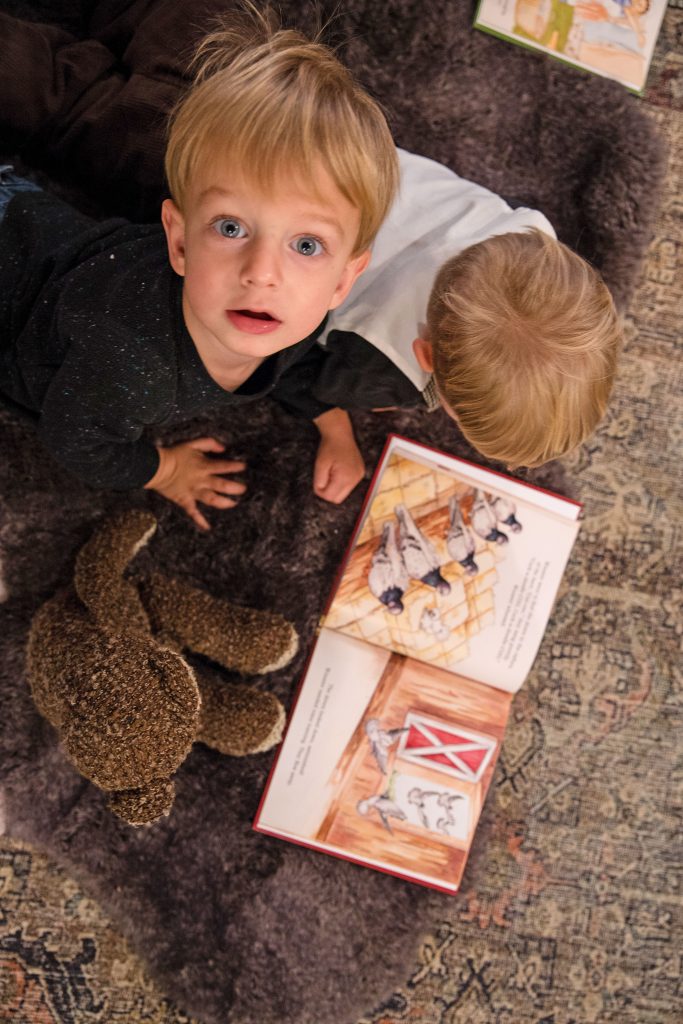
440, 607
613, 38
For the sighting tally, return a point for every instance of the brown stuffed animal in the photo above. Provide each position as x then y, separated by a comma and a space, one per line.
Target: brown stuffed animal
105, 668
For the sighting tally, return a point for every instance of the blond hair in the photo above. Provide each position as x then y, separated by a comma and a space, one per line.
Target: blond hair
525, 338
275, 102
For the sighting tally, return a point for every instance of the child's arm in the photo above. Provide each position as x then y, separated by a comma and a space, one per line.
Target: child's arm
186, 475
339, 464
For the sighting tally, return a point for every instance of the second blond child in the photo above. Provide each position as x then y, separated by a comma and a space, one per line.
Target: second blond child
474, 307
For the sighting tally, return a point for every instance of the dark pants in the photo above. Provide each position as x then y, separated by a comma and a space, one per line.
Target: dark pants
11, 185
98, 106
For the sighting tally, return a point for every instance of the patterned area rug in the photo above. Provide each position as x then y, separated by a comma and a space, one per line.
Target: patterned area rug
571, 908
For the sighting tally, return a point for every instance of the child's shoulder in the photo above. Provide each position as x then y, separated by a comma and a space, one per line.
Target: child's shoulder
125, 284
100, 283
35, 226
41, 225
45, 240
86, 269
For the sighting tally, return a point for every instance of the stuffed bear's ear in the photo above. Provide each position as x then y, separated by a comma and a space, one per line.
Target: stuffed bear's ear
98, 577
146, 805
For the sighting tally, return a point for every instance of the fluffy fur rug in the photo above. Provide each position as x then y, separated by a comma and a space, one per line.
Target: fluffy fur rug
238, 926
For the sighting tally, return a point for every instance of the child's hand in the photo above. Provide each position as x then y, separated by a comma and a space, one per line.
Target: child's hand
339, 464
186, 475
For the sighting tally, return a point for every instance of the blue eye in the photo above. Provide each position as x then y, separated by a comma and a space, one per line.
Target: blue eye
228, 227
308, 246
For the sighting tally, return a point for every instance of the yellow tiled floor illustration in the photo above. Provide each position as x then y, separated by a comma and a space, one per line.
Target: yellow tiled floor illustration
452, 619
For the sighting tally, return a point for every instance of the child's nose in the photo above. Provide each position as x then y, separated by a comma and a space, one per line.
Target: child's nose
261, 264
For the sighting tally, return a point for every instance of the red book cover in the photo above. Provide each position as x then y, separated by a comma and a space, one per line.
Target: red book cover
433, 624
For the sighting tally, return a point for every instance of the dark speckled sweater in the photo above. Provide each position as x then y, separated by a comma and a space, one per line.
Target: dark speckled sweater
93, 343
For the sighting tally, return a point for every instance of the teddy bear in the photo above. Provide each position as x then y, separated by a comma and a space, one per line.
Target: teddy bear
106, 669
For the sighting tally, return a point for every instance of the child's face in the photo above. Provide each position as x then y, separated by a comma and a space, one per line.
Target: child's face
261, 270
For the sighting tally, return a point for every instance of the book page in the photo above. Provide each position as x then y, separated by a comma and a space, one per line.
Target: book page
340, 681
386, 761
454, 565
613, 38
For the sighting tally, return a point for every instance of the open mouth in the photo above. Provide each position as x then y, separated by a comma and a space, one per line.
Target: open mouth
255, 314
253, 321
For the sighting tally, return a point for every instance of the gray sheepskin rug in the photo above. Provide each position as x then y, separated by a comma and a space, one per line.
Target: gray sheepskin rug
236, 926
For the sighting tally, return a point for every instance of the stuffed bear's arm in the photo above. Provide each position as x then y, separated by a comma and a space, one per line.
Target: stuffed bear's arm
243, 639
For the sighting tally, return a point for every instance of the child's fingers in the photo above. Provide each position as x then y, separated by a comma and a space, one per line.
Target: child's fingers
218, 501
337, 492
342, 492
338, 486
219, 466
223, 486
322, 477
200, 521
331, 492
206, 444
190, 506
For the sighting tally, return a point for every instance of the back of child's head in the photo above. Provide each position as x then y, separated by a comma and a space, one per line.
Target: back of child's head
525, 338
273, 103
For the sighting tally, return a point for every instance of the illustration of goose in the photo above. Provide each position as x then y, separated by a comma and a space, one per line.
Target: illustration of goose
505, 511
388, 577
419, 554
384, 805
381, 741
484, 522
459, 540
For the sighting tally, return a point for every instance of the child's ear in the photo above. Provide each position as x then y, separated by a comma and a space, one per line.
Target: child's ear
424, 355
174, 226
353, 269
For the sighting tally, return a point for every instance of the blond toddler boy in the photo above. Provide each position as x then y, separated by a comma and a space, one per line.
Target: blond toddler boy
476, 308
281, 170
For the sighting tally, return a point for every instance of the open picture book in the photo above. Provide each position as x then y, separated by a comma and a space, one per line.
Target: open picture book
438, 611
613, 38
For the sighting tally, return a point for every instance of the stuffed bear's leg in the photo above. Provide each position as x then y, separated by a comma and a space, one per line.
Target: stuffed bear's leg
246, 640
238, 719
